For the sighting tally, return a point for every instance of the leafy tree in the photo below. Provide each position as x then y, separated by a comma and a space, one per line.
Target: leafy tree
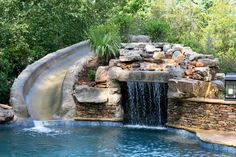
205, 25
220, 31
219, 36
31, 29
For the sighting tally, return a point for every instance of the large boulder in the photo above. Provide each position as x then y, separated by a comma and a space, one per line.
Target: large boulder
130, 58
86, 94
125, 52
117, 73
169, 52
219, 83
148, 66
132, 55
151, 48
208, 89
114, 96
113, 62
183, 88
6, 113
178, 57
187, 51
177, 47
166, 47
176, 72
202, 73
186, 88
196, 56
207, 62
158, 55
128, 46
101, 74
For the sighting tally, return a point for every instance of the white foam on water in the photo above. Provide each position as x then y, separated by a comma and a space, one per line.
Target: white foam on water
39, 127
145, 127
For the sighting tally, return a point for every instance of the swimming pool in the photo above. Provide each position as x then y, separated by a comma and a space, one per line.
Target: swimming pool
100, 141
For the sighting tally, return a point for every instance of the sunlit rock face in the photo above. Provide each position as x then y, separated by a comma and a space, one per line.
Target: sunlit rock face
86, 94
101, 74
187, 73
167, 57
185, 88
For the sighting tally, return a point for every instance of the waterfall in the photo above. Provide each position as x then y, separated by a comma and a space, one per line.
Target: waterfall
145, 103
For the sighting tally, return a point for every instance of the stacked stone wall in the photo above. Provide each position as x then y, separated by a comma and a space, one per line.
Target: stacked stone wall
202, 115
92, 110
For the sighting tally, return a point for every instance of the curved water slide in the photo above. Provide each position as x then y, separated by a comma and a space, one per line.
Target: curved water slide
37, 92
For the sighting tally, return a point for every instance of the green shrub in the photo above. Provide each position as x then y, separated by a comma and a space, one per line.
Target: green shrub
127, 24
91, 74
104, 41
158, 30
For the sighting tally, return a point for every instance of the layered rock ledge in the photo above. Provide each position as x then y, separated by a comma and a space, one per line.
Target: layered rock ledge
187, 73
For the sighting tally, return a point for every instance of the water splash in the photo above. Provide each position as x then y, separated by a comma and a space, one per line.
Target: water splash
39, 127
145, 127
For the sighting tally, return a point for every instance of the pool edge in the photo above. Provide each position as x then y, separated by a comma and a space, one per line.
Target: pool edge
205, 143
182, 131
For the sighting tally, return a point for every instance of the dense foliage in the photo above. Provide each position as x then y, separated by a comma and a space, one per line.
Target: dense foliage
31, 29
105, 41
207, 26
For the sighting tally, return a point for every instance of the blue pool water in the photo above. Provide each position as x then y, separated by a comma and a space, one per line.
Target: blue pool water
99, 141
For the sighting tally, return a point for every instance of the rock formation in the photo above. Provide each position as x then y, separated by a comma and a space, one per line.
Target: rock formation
188, 74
